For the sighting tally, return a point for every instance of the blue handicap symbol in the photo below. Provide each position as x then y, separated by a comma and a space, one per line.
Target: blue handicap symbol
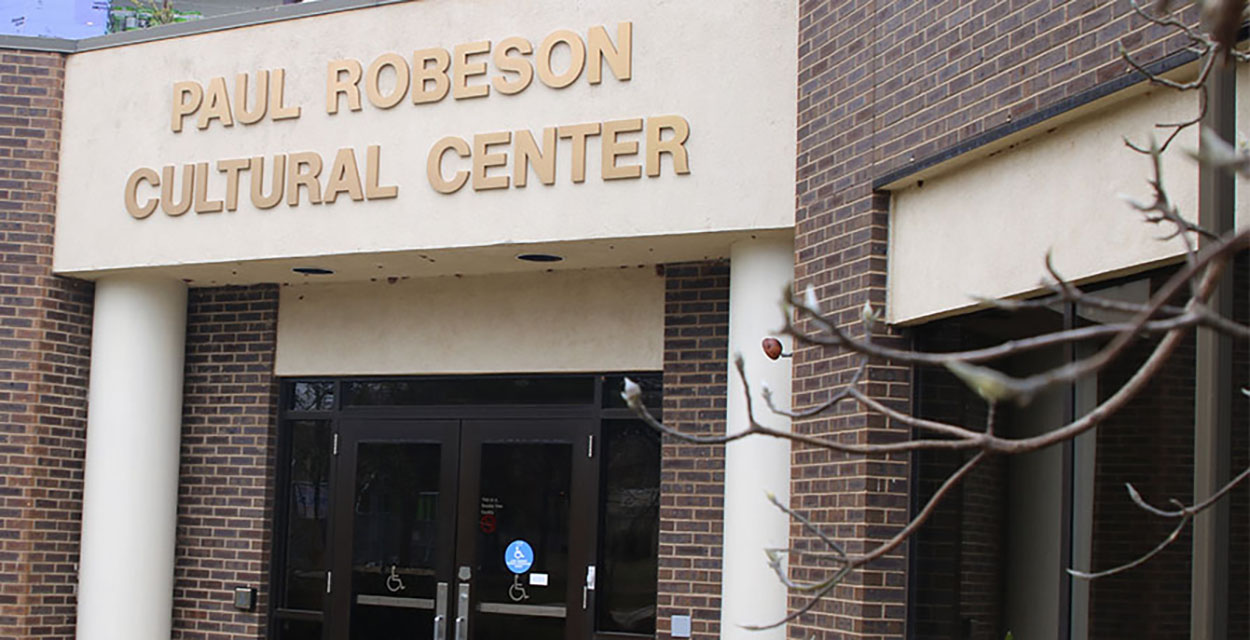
519, 556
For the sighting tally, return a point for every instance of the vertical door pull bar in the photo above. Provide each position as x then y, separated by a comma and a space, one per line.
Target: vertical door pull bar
440, 612
462, 613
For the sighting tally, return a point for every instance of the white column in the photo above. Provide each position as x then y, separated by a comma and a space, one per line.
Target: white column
130, 494
759, 270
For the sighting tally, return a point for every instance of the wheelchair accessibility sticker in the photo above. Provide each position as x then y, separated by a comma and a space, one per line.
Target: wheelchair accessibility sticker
519, 556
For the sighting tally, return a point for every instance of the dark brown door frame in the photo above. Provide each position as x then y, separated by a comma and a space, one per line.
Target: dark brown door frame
460, 481
351, 433
580, 434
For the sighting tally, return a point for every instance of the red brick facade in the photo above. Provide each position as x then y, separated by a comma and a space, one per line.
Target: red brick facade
692, 476
229, 435
882, 87
45, 342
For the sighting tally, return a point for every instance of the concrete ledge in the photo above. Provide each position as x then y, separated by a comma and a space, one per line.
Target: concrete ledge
33, 43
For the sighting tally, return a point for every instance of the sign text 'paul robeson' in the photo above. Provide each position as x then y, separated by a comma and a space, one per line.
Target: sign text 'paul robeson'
629, 148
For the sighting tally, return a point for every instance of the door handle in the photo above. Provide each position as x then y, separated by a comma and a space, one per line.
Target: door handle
440, 612
462, 612
589, 587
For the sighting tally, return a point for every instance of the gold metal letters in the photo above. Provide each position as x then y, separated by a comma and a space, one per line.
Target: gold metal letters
628, 148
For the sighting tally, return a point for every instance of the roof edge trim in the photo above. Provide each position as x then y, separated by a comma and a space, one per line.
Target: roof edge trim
34, 43
194, 27
894, 179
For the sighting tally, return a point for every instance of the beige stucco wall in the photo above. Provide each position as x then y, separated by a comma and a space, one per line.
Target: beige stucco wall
985, 228
592, 320
727, 67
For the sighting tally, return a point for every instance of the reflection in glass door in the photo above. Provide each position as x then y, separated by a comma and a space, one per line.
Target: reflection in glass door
394, 530
391, 490
463, 530
524, 533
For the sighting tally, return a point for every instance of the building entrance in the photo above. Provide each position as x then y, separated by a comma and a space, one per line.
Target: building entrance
415, 508
463, 529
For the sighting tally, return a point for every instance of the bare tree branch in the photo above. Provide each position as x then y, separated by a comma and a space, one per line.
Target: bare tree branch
820, 589
1186, 514
1175, 308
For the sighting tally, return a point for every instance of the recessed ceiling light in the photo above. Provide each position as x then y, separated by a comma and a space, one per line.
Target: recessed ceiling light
539, 257
313, 271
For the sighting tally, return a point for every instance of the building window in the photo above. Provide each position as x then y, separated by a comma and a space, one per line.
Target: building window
992, 558
629, 536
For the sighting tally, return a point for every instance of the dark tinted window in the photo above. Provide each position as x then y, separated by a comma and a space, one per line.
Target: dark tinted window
395, 537
630, 516
312, 396
528, 488
470, 390
652, 390
308, 507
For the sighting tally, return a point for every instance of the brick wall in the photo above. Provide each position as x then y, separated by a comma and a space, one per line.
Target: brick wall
696, 340
862, 501
949, 71
884, 86
226, 488
45, 341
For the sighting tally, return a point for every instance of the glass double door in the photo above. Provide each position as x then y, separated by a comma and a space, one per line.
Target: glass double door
462, 530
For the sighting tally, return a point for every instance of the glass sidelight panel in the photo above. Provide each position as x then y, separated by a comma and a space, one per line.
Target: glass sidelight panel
395, 541
522, 551
629, 537
308, 509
